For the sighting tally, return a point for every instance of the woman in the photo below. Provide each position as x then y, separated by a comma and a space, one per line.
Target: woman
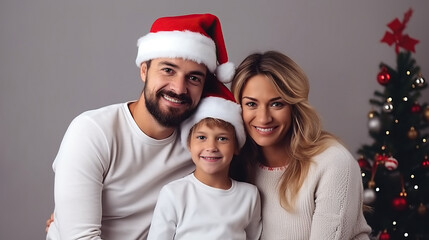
310, 184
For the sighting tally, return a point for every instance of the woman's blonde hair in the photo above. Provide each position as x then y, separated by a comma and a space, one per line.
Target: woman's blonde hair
306, 137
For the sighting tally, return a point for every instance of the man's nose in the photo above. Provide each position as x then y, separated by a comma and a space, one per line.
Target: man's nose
178, 85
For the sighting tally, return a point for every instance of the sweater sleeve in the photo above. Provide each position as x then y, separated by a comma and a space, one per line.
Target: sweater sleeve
338, 198
164, 220
79, 172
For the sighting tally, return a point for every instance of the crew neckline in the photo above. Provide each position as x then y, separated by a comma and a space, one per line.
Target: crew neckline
273, 169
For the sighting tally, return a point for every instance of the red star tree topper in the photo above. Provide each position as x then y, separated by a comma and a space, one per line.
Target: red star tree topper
397, 37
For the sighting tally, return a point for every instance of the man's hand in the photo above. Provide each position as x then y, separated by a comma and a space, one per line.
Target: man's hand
49, 221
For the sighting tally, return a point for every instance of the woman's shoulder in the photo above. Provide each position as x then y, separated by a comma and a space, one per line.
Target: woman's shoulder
335, 163
336, 155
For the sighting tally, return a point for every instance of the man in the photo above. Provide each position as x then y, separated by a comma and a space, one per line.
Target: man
113, 161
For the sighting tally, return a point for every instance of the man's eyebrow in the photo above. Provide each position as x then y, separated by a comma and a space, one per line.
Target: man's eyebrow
198, 73
170, 64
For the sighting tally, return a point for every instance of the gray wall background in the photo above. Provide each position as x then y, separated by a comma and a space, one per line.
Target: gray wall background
60, 58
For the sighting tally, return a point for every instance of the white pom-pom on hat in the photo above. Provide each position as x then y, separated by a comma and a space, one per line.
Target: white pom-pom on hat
225, 72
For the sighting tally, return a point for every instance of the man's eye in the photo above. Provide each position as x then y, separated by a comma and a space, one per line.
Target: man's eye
194, 79
167, 70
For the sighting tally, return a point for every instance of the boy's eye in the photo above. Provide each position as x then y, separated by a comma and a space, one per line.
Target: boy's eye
222, 139
201, 137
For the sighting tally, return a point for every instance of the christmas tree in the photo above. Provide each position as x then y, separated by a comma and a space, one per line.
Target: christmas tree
395, 167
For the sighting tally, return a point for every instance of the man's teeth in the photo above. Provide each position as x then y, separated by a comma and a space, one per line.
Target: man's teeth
171, 99
264, 129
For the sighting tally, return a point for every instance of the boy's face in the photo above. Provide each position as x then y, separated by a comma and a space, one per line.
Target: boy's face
212, 149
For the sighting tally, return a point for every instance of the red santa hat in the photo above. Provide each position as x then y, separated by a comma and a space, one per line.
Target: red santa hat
196, 37
217, 102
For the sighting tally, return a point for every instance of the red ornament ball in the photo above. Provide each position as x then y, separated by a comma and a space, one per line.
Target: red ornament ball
383, 77
384, 236
425, 162
363, 163
399, 203
416, 108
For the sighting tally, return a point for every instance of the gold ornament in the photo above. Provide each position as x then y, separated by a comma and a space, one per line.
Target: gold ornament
371, 184
422, 209
420, 81
388, 107
412, 133
426, 113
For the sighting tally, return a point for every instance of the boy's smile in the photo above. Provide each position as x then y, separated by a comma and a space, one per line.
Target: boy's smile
212, 149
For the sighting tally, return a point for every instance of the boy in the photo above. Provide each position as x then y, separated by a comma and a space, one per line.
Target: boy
208, 204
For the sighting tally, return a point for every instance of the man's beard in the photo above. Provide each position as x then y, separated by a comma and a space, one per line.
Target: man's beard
172, 117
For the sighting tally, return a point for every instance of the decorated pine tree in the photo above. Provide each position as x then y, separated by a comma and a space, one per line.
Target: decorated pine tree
395, 167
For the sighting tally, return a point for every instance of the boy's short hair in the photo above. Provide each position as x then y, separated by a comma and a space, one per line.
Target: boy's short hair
213, 122
216, 102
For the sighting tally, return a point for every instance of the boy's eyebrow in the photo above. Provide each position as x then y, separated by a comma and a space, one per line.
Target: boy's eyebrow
225, 132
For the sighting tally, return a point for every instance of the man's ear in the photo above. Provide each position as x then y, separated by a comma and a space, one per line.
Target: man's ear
143, 71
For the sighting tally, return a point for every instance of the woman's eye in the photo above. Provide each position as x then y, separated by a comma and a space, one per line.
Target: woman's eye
250, 104
201, 137
277, 104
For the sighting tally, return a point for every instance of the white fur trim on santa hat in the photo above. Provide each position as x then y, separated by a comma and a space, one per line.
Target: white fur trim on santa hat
219, 108
177, 44
225, 72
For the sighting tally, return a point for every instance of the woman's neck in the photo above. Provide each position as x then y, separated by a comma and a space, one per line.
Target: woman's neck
275, 156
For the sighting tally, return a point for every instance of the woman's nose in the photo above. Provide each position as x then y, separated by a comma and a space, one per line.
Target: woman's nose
263, 115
